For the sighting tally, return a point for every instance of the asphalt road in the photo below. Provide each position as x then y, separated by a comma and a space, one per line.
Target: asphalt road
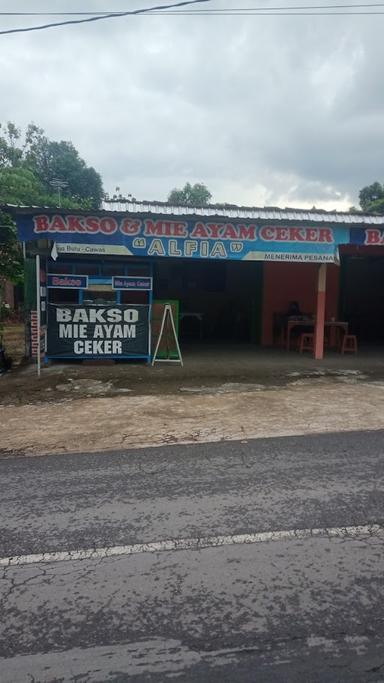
293, 609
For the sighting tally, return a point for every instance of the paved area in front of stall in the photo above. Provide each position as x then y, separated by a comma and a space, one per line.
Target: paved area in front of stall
217, 396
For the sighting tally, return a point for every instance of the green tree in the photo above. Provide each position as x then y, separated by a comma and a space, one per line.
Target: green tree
50, 160
191, 195
20, 186
10, 154
17, 186
371, 198
11, 261
11, 256
28, 164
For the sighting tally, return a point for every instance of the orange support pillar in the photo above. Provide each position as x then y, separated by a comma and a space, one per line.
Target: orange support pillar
320, 312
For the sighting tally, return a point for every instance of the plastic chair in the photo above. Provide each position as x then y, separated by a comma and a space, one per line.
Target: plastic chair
306, 342
349, 344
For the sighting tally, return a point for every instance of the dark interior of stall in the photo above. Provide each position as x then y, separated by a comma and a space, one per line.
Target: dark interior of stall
362, 295
217, 301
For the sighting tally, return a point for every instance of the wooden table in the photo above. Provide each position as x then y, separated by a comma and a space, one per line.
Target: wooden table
332, 325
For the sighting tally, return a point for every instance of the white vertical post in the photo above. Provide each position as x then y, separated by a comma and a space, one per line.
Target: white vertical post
38, 309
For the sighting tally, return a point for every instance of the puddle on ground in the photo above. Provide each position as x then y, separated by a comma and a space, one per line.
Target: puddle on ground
227, 388
89, 386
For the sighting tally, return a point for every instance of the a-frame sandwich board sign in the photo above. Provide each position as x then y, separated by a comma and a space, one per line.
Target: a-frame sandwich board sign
167, 327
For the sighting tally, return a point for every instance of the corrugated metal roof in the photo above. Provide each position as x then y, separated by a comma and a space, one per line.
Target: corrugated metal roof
218, 211
253, 213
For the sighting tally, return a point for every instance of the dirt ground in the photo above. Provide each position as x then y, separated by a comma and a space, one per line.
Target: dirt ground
206, 367
234, 396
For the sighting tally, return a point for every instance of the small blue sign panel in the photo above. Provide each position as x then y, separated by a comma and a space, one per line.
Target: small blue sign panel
132, 283
67, 281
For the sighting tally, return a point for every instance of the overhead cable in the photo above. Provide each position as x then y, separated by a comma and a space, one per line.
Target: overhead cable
101, 17
223, 10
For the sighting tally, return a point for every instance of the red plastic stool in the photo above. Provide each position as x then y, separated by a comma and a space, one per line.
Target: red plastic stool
349, 344
306, 342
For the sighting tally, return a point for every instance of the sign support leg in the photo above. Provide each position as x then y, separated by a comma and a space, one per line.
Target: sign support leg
167, 314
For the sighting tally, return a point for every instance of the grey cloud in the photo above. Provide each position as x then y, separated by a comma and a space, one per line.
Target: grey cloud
264, 110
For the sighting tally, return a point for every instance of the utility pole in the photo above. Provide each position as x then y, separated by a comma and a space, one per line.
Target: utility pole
59, 185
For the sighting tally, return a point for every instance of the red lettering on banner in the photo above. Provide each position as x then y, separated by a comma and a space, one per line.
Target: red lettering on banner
41, 224
92, 224
108, 226
180, 230
325, 235
226, 231
58, 224
280, 234
130, 226
154, 227
169, 228
311, 234
200, 231
297, 235
373, 236
165, 228
229, 232
214, 230
247, 232
267, 234
74, 224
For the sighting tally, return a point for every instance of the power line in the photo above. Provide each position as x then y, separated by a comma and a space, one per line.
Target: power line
265, 13
248, 11
93, 18
272, 10
238, 10
273, 14
176, 10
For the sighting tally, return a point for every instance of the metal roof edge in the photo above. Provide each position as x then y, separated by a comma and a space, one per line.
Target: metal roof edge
213, 211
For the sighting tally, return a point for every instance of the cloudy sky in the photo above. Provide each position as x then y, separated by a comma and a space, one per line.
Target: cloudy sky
265, 110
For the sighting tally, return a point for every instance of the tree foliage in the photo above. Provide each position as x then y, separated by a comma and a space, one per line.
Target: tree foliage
29, 163
19, 186
11, 258
47, 160
191, 195
371, 198
50, 160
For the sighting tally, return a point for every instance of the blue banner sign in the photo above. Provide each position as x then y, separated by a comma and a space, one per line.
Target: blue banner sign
373, 237
132, 283
67, 281
205, 238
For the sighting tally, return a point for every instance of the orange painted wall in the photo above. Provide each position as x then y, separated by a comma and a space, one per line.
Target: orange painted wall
285, 282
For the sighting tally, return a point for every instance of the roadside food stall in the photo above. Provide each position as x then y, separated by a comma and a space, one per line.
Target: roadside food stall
228, 272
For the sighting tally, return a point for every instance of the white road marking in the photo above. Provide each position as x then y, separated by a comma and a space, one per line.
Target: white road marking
346, 532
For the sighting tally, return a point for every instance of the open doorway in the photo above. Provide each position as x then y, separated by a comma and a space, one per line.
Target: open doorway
362, 296
218, 301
